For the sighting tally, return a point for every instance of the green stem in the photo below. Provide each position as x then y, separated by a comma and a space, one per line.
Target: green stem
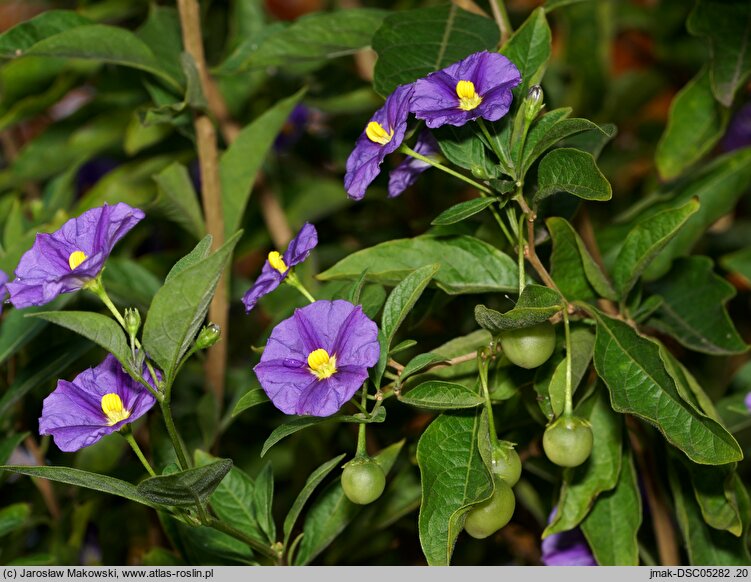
520, 244
568, 406
254, 544
362, 449
128, 436
293, 281
501, 16
172, 431
500, 222
494, 146
483, 362
410, 152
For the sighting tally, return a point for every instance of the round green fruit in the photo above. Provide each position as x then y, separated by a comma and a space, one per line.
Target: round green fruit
568, 441
529, 347
486, 518
506, 464
363, 481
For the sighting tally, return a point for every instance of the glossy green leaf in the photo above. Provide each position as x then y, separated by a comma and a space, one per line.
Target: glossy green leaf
612, 525
102, 330
693, 308
582, 348
688, 387
198, 254
204, 545
13, 517
410, 44
301, 422
454, 477
439, 395
551, 5
573, 171
715, 492
403, 298
739, 262
313, 480
529, 49
535, 305
332, 512
631, 367
549, 130
705, 545
180, 199
462, 211
695, 124
583, 484
313, 37
240, 163
574, 270
185, 488
468, 265
645, 241
162, 34
178, 308
419, 363
463, 146
26, 34
263, 498
84, 479
727, 26
251, 398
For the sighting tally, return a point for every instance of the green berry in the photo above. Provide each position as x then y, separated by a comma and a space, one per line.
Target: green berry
486, 518
529, 347
506, 463
568, 441
363, 480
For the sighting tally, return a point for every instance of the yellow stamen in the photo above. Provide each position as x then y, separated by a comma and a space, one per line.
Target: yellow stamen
112, 406
276, 261
76, 258
468, 97
376, 133
321, 365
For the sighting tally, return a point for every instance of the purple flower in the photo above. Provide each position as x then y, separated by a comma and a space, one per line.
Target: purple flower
317, 359
383, 135
410, 169
67, 259
98, 402
3, 288
293, 128
478, 86
568, 548
738, 134
748, 401
277, 267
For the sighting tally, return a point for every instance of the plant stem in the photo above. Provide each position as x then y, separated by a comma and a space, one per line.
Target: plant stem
483, 362
254, 544
208, 159
501, 17
128, 436
493, 146
293, 281
568, 404
177, 444
410, 152
520, 250
362, 448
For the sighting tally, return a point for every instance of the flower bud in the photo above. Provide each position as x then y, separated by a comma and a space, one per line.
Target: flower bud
208, 336
533, 103
132, 321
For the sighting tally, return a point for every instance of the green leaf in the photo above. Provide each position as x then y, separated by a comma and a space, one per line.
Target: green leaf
102, 330
181, 202
301, 422
313, 480
536, 304
17, 330
468, 265
739, 262
706, 546
462, 211
83, 479
313, 37
13, 517
249, 399
573, 268
454, 477
464, 147
410, 44
26, 34
727, 26
419, 363
582, 348
631, 367
714, 489
162, 34
529, 49
612, 525
574, 171
645, 241
240, 163
185, 488
263, 498
403, 298
232, 500
203, 545
551, 5
198, 254
439, 395
583, 484
332, 512
695, 124
693, 308
549, 130
178, 308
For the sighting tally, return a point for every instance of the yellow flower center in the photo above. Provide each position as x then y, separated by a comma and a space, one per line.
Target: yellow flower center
377, 134
113, 409
321, 365
76, 258
468, 97
276, 261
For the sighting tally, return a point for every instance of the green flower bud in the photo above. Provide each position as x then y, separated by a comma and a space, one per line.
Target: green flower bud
132, 320
208, 336
533, 103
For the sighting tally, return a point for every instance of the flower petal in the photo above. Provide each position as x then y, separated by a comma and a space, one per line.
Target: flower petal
299, 247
